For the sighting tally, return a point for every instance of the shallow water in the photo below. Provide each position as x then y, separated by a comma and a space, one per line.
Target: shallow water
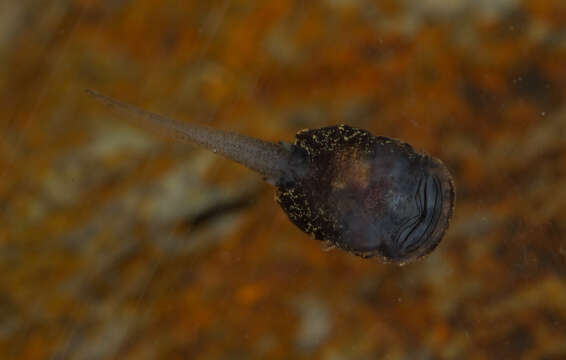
117, 244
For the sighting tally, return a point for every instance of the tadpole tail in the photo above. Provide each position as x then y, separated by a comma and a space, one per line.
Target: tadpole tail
269, 159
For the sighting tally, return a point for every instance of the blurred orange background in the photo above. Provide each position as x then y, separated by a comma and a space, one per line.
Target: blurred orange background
118, 245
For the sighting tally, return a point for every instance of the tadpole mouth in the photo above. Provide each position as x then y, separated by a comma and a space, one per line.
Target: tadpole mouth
434, 201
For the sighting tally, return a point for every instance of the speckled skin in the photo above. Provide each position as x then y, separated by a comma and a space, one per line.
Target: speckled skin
372, 196
369, 195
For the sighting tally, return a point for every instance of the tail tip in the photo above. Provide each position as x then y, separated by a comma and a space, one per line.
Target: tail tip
90, 91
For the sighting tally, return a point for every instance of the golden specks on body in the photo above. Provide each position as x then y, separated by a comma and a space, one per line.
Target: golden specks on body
369, 195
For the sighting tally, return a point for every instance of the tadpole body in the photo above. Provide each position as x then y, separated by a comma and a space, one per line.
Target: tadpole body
370, 195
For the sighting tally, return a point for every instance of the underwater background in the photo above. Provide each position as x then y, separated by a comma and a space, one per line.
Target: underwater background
115, 244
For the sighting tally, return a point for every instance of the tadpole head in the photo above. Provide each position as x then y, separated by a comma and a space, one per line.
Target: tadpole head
369, 195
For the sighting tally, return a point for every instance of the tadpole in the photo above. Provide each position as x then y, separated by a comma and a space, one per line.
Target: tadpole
372, 196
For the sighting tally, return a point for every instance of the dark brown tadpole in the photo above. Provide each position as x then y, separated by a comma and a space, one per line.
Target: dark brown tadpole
369, 195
